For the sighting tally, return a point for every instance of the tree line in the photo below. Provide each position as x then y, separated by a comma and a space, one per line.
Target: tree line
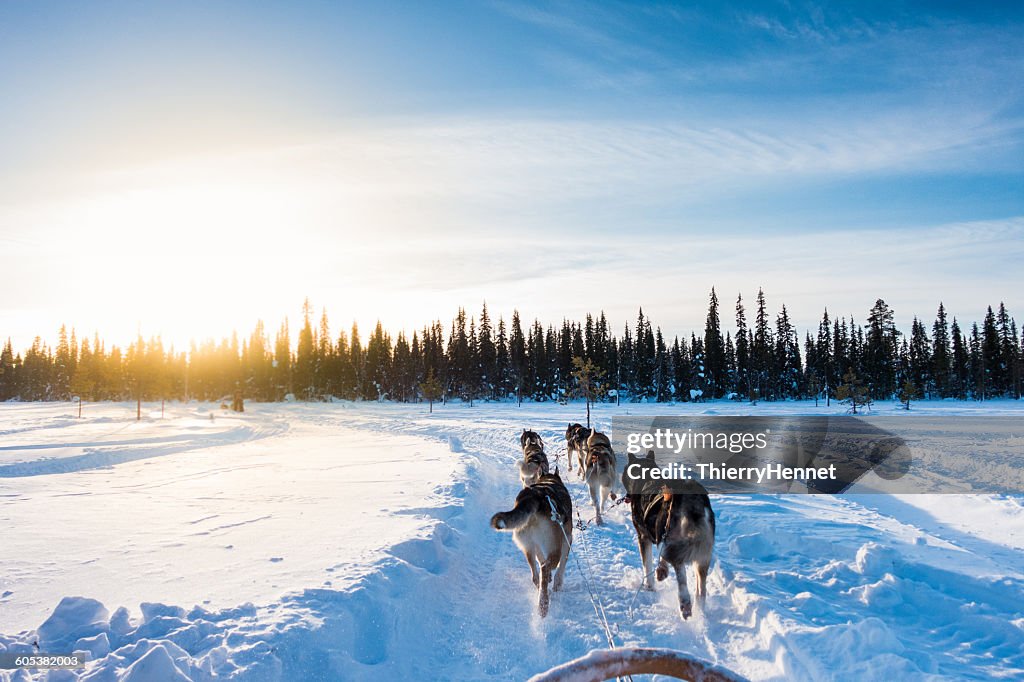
475, 358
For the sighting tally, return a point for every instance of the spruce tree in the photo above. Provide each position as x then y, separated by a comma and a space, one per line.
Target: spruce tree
1008, 354
8, 388
663, 388
942, 358
960, 373
698, 367
644, 358
979, 370
487, 356
991, 356
517, 356
626, 362
714, 350
502, 362
826, 358
302, 375
762, 350
788, 365
919, 360
742, 379
879, 351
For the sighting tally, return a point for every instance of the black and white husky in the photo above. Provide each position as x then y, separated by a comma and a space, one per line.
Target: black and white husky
535, 460
541, 525
683, 524
599, 471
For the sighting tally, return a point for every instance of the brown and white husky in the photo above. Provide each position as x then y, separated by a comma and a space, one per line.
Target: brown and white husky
541, 525
599, 471
535, 460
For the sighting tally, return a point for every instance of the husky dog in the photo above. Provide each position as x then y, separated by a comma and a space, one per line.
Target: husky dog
599, 471
684, 524
535, 460
541, 525
529, 437
575, 441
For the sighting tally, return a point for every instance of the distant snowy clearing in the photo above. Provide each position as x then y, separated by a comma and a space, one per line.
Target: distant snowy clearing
351, 541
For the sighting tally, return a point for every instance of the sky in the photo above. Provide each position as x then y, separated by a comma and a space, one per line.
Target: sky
183, 169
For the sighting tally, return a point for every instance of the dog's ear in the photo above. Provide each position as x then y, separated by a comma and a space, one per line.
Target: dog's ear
650, 455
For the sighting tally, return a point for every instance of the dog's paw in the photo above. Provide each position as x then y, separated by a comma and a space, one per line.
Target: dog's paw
662, 572
685, 609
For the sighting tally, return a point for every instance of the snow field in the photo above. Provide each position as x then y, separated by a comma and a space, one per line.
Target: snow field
804, 587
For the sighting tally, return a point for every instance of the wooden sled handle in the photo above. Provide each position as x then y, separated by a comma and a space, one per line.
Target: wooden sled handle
604, 664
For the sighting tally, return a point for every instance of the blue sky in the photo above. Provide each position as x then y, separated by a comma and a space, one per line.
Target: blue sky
401, 159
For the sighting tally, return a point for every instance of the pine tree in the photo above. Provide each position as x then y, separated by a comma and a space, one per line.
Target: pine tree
431, 389
826, 358
919, 360
324, 371
991, 357
644, 359
83, 383
762, 359
742, 379
960, 376
502, 362
487, 356
729, 389
605, 351
681, 367
63, 367
402, 380
714, 350
1008, 353
302, 376
853, 392
626, 376
942, 359
377, 364
8, 387
588, 382
788, 366
908, 393
663, 388
979, 370
699, 390
517, 356
880, 351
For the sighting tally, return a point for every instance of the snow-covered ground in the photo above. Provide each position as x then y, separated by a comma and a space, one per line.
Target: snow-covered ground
351, 541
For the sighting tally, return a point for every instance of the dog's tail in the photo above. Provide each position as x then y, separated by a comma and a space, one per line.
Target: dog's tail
518, 517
